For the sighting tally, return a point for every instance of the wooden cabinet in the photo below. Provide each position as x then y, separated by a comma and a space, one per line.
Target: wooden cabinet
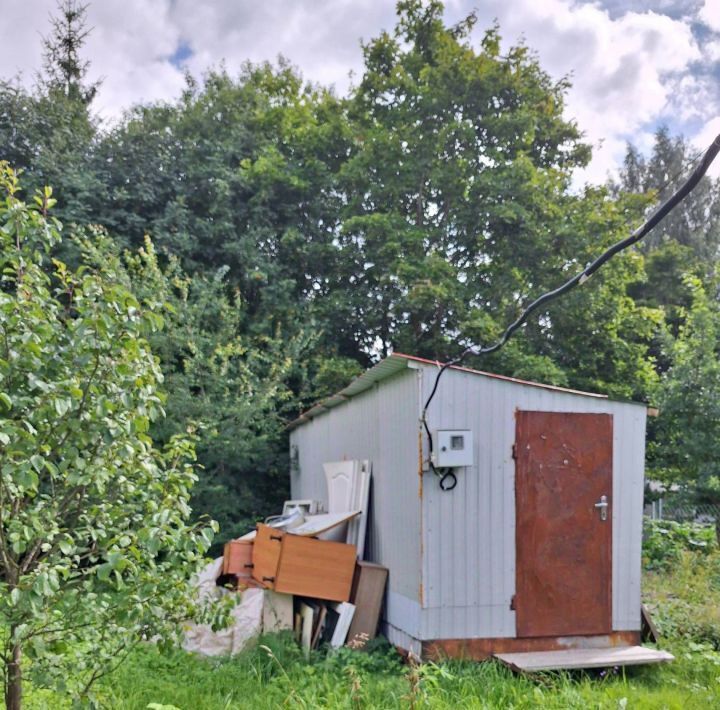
237, 558
305, 566
266, 554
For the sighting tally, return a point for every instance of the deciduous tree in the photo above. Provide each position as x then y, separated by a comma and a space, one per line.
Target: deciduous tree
459, 211
96, 547
685, 444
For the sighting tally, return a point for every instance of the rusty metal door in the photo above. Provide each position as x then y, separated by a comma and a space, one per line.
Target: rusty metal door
563, 498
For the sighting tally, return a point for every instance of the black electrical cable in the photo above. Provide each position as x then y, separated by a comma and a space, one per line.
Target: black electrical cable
655, 218
448, 480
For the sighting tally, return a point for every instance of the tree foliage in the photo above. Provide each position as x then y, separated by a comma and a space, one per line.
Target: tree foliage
685, 446
96, 543
695, 223
50, 139
238, 174
300, 235
459, 212
235, 388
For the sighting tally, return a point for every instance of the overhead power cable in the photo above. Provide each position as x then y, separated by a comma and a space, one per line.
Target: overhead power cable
447, 479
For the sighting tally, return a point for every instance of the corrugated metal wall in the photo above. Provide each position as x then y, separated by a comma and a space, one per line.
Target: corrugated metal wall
380, 424
469, 533
452, 555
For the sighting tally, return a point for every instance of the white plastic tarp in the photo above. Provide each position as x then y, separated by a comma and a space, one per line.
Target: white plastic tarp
246, 618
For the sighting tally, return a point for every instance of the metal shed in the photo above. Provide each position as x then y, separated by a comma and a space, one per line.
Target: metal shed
538, 546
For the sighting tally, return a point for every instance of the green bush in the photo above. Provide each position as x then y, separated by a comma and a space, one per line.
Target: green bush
684, 600
665, 540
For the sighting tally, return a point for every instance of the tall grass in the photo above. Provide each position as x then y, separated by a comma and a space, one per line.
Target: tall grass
685, 600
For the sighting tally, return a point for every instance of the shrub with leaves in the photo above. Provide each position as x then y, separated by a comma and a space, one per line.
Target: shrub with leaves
95, 545
665, 540
684, 444
684, 600
233, 386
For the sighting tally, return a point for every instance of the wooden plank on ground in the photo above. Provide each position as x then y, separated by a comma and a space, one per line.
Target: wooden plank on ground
648, 630
583, 658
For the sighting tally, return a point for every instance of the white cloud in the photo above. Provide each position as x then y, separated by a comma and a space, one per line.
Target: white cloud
130, 46
702, 141
622, 68
628, 69
323, 39
710, 14
20, 37
710, 131
711, 51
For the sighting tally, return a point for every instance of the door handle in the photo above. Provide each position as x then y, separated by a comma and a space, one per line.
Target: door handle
602, 505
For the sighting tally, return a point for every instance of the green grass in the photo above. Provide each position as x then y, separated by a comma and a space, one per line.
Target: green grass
258, 680
686, 604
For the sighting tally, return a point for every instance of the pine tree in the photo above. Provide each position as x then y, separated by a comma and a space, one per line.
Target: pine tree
696, 223
64, 69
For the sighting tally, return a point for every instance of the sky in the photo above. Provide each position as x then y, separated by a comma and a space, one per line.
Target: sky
634, 64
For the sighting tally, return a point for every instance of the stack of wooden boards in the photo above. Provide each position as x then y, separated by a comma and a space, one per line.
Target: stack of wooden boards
316, 566
336, 596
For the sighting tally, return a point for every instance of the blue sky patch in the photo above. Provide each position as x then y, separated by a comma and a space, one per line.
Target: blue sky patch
181, 54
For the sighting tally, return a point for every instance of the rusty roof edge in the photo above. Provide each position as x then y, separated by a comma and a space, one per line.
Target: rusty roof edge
530, 383
396, 362
506, 378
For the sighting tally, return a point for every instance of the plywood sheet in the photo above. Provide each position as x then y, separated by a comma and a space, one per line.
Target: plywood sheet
367, 595
308, 619
315, 568
277, 612
584, 658
345, 612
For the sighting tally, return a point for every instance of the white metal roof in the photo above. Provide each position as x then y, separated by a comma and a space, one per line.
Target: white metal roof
395, 363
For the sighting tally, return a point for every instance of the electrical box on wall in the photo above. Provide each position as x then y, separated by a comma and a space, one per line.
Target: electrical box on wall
453, 448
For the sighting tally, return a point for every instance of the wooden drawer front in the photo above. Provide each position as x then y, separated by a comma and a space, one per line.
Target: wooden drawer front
266, 555
315, 568
237, 558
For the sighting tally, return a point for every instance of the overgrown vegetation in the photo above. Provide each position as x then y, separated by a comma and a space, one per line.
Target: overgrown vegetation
302, 235
665, 541
96, 541
294, 237
684, 598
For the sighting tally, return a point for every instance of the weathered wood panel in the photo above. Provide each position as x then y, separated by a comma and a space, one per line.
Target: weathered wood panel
583, 658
